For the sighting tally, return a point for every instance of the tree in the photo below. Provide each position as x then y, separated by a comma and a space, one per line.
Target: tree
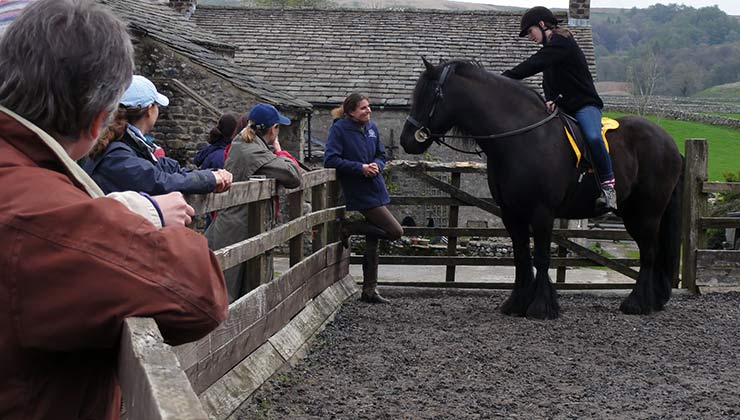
686, 78
644, 74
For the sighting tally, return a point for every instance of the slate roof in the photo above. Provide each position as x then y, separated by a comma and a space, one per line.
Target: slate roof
164, 24
322, 55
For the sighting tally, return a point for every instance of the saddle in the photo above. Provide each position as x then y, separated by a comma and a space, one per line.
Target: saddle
578, 142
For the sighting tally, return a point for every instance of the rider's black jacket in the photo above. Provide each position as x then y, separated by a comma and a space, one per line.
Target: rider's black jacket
564, 72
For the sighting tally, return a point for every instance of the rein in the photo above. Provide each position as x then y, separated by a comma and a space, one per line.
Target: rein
423, 133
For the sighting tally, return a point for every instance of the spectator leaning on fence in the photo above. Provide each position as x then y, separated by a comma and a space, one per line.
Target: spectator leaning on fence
355, 150
75, 264
124, 159
220, 136
250, 155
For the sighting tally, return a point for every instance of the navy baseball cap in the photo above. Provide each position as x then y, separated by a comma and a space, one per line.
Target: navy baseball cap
268, 115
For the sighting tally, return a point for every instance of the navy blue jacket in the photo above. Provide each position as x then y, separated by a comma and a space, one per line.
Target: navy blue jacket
212, 156
348, 147
127, 165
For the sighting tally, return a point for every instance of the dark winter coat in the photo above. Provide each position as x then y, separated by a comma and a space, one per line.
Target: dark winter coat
128, 164
212, 156
348, 147
564, 72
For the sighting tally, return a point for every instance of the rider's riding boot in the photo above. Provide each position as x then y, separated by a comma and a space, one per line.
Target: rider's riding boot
360, 227
608, 198
370, 273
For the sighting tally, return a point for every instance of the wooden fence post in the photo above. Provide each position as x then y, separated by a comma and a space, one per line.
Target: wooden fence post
318, 202
562, 252
295, 208
256, 272
332, 192
154, 386
452, 222
694, 207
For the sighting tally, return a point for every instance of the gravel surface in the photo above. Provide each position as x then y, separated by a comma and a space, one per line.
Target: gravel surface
451, 355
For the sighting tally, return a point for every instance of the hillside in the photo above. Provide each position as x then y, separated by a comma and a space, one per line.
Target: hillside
686, 49
729, 90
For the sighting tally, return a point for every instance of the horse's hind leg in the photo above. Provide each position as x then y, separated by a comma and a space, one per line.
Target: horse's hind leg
545, 298
668, 249
520, 297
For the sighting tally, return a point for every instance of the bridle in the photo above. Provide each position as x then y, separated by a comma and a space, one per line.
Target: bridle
423, 133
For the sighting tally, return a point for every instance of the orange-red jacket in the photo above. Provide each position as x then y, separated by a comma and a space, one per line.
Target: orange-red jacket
72, 268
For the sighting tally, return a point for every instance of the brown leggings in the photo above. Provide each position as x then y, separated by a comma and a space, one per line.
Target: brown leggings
382, 218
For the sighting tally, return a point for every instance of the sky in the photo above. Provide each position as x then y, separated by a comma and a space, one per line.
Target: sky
731, 7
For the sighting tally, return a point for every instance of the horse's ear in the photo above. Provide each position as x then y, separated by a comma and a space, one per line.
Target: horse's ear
431, 70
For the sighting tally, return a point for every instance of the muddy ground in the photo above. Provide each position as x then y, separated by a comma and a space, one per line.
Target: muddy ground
451, 355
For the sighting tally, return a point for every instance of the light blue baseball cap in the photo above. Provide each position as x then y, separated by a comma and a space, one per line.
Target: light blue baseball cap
142, 93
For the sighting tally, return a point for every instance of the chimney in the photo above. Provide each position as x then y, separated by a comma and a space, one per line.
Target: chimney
579, 13
184, 7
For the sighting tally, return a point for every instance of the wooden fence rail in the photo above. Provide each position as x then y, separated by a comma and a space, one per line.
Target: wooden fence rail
702, 267
265, 327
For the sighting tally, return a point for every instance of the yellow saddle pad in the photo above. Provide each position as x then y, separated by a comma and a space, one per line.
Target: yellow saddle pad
606, 125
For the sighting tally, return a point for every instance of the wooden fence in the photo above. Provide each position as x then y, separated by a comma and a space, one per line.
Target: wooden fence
270, 324
266, 327
457, 197
704, 267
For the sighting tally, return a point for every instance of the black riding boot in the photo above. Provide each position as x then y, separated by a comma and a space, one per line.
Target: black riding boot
370, 273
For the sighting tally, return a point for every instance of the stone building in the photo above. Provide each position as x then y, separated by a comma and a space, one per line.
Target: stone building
197, 71
320, 56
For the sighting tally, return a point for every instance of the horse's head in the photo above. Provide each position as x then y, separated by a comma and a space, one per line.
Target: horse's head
428, 112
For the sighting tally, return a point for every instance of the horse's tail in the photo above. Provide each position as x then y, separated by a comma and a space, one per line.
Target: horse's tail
669, 236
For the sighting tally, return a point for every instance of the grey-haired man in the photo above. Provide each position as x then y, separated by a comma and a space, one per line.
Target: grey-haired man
76, 263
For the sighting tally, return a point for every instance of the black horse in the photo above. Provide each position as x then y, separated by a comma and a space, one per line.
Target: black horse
533, 178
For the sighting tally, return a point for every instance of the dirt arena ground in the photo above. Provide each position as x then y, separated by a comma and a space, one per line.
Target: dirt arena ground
451, 355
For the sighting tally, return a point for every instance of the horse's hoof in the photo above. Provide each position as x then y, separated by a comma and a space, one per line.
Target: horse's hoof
633, 306
513, 306
543, 310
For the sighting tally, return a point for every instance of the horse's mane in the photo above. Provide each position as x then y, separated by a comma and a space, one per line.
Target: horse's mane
474, 68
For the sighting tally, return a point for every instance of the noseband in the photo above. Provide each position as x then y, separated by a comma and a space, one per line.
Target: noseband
423, 133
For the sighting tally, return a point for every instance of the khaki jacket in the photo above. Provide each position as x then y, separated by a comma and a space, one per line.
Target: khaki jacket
73, 267
244, 160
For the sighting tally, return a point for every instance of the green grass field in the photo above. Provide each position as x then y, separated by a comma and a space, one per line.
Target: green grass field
724, 143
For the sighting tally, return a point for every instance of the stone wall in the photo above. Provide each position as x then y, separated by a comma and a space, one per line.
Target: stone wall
184, 125
679, 109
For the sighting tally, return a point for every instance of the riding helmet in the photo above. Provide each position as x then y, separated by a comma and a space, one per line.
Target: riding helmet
532, 16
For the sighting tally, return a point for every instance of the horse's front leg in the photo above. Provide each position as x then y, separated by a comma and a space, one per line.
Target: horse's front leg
544, 303
642, 299
521, 296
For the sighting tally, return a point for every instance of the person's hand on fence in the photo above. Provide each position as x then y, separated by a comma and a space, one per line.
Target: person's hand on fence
550, 106
175, 210
224, 179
